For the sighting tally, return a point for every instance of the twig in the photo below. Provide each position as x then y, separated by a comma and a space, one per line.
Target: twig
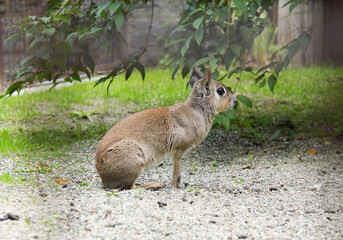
228, 22
62, 7
271, 148
227, 34
152, 16
240, 75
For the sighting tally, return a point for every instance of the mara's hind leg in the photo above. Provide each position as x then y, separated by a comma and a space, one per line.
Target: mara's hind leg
120, 165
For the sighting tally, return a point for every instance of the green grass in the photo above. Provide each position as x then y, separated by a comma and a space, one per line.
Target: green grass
45, 120
10, 179
308, 100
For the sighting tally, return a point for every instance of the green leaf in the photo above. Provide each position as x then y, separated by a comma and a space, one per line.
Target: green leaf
184, 71
75, 76
198, 35
49, 31
248, 125
270, 65
183, 50
119, 20
27, 59
43, 52
215, 75
271, 82
246, 33
14, 86
101, 8
171, 43
60, 60
68, 79
292, 50
240, 5
140, 68
275, 134
202, 61
129, 71
85, 70
278, 68
178, 28
213, 62
229, 55
114, 7
45, 19
260, 77
248, 69
187, 42
305, 40
175, 71
101, 80
245, 100
88, 59
262, 84
198, 22
65, 47
292, 6
254, 6
222, 15
236, 49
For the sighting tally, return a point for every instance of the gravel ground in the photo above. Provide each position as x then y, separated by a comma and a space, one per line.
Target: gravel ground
235, 188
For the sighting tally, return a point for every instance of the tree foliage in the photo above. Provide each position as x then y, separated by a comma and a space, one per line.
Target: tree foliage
210, 34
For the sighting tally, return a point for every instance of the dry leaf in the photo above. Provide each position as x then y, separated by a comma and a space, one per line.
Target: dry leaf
312, 151
61, 180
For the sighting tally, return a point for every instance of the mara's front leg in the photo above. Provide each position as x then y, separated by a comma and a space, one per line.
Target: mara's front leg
176, 179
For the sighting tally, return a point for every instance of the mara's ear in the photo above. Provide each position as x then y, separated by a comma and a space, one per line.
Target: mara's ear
196, 75
206, 82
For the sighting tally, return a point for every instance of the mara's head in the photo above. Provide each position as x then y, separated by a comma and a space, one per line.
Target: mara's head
204, 87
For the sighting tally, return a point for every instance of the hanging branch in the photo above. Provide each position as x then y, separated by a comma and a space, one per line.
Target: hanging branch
243, 60
228, 22
151, 18
65, 3
227, 33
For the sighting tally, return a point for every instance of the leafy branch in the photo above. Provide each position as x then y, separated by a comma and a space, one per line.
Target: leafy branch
62, 42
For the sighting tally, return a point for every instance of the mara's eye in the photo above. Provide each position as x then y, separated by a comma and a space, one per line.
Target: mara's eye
221, 91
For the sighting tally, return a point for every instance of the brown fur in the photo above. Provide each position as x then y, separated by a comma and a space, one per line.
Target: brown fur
143, 139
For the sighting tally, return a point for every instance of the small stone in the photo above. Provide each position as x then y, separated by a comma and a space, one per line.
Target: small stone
161, 204
9, 216
272, 189
213, 222
329, 211
12, 216
43, 194
72, 204
110, 225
